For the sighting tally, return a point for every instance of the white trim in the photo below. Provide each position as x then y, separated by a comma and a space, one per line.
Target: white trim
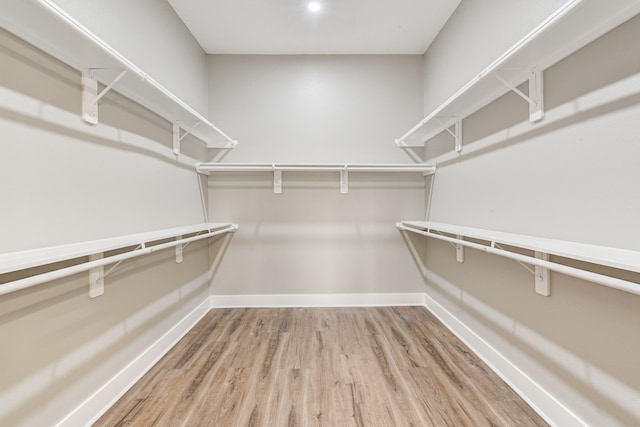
541, 400
99, 402
317, 300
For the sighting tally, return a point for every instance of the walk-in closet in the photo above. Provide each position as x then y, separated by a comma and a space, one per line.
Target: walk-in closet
319, 213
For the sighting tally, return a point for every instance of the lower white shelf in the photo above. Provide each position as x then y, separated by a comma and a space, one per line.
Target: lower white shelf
129, 246
601, 255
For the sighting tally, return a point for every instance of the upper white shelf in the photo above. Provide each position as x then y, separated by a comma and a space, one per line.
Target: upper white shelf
574, 25
51, 29
342, 168
315, 167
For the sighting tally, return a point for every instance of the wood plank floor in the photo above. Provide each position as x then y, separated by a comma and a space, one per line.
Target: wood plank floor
391, 366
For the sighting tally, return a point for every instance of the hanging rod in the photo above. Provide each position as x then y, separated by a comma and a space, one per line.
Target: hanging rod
21, 259
601, 279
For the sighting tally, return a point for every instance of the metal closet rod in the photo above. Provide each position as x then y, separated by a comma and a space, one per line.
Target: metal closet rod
39, 279
601, 279
76, 25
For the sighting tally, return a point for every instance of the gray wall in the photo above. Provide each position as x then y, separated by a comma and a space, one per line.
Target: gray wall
574, 177
315, 108
312, 239
61, 182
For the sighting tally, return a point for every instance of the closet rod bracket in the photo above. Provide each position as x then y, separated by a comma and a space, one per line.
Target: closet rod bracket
459, 249
542, 276
344, 180
535, 97
96, 277
91, 97
277, 180
179, 248
456, 133
177, 137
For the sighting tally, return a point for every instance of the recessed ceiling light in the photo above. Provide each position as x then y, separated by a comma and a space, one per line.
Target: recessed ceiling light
314, 6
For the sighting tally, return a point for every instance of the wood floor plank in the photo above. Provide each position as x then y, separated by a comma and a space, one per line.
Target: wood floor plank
390, 366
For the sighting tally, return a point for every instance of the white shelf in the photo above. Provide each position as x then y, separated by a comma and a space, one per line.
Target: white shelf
573, 26
21, 260
131, 246
623, 259
342, 168
602, 255
49, 28
316, 167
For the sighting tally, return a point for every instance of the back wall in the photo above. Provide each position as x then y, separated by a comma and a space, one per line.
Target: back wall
312, 239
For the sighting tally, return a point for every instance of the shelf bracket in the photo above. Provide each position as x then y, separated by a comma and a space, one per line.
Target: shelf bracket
344, 180
96, 277
542, 276
535, 97
459, 250
277, 180
91, 97
177, 138
456, 133
179, 249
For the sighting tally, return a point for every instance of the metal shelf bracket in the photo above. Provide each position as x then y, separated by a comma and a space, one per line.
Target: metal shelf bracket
344, 180
542, 276
96, 277
535, 97
177, 138
459, 249
91, 97
456, 133
277, 180
179, 249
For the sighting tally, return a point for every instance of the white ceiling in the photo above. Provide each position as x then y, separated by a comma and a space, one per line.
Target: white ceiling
340, 27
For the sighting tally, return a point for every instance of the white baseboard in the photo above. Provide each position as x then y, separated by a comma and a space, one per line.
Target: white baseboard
317, 300
543, 402
97, 404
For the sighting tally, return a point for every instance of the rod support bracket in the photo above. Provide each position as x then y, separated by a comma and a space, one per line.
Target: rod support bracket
456, 133
536, 93
542, 276
344, 180
277, 180
459, 250
179, 250
535, 97
96, 277
89, 93
91, 97
179, 136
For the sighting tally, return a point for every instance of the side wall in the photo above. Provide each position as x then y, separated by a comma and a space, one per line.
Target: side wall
311, 239
574, 177
62, 182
